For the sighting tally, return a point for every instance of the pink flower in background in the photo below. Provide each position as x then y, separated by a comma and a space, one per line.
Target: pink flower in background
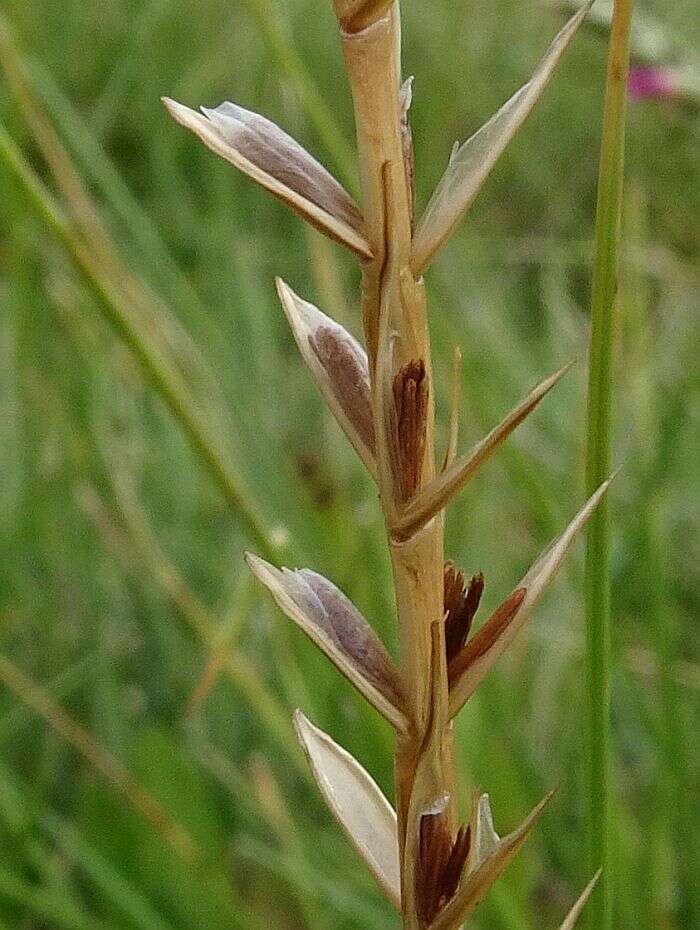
652, 83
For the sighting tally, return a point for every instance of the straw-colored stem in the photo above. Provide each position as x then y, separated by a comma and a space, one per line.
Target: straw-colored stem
604, 290
394, 314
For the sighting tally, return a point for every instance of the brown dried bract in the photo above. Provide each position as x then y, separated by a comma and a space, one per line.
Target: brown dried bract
480, 644
409, 421
461, 605
440, 866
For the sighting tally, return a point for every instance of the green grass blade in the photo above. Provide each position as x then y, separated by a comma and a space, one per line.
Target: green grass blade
60, 912
598, 463
105, 877
96, 165
158, 373
65, 683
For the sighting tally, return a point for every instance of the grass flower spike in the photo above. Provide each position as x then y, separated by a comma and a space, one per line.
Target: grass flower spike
433, 870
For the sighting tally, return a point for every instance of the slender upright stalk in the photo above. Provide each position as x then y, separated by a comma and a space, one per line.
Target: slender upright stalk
598, 462
393, 303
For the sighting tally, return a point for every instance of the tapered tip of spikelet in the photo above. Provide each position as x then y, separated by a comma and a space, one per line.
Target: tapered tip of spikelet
174, 108
259, 567
302, 726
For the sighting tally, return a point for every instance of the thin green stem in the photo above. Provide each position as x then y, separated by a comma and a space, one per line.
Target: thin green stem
156, 370
598, 463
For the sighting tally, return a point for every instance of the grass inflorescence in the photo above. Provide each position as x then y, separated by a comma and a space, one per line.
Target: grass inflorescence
144, 675
382, 393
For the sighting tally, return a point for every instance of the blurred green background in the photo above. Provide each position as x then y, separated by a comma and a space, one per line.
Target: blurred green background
149, 777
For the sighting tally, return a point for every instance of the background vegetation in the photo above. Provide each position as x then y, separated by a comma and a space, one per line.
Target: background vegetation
149, 777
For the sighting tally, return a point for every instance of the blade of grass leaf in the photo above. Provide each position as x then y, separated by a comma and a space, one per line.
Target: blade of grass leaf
141, 32
108, 765
26, 815
61, 911
60, 686
163, 326
227, 636
102, 873
673, 810
338, 896
258, 790
141, 311
598, 463
147, 314
158, 373
99, 169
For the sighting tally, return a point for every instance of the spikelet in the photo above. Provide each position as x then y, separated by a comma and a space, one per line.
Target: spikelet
263, 151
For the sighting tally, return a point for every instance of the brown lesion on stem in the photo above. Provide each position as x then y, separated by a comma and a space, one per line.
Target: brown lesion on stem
408, 427
356, 15
441, 862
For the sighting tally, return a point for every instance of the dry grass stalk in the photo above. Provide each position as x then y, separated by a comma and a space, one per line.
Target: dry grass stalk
434, 871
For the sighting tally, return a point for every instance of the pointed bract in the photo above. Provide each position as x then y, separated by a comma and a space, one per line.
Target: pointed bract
491, 632
471, 163
364, 814
338, 628
460, 603
484, 836
575, 911
475, 885
339, 365
533, 584
263, 151
435, 496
